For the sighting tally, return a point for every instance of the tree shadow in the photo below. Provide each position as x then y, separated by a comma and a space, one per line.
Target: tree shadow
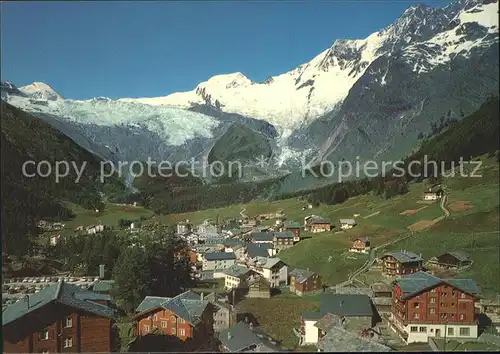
248, 318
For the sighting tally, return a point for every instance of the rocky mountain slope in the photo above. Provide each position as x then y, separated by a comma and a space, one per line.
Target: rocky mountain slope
370, 97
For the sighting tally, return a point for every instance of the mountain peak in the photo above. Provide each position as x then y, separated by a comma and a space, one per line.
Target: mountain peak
41, 90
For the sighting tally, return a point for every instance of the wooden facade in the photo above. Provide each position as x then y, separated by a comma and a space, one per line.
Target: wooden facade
440, 304
58, 328
312, 283
320, 227
392, 267
169, 323
449, 260
259, 288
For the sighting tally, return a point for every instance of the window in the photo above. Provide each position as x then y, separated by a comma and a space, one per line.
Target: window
182, 332
462, 316
146, 328
68, 342
413, 329
453, 293
163, 324
433, 300
423, 329
68, 322
155, 318
416, 316
463, 296
432, 310
464, 332
443, 304
451, 331
181, 320
174, 331
43, 335
433, 290
463, 306
416, 305
174, 319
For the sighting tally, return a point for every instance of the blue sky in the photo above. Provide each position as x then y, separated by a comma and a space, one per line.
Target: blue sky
145, 49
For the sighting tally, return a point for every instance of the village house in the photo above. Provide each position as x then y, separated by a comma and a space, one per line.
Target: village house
94, 229
451, 260
346, 224
208, 227
433, 193
261, 237
294, 227
274, 270
235, 232
258, 287
353, 311
60, 318
225, 313
243, 337
236, 276
315, 224
54, 240
236, 246
381, 289
360, 245
283, 240
491, 308
401, 263
426, 306
218, 261
185, 316
303, 281
184, 227
251, 223
254, 250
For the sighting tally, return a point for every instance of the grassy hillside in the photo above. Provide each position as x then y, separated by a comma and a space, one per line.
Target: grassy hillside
25, 199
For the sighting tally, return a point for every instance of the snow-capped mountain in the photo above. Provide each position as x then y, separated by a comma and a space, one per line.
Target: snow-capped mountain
369, 97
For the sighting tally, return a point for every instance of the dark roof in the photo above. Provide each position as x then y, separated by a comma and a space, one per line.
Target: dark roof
347, 305
301, 275
319, 220
240, 337
258, 250
415, 283
219, 256
62, 293
362, 239
262, 236
187, 305
103, 286
459, 255
404, 257
292, 225
284, 235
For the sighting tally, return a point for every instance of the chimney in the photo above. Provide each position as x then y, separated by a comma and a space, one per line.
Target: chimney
27, 301
202, 296
229, 336
341, 303
101, 271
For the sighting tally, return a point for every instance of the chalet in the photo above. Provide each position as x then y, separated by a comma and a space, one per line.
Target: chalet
258, 287
185, 316
433, 193
401, 263
210, 237
236, 276
225, 313
360, 245
236, 246
346, 224
317, 224
61, 317
218, 260
303, 281
352, 311
254, 250
453, 259
294, 227
262, 237
426, 306
283, 240
184, 227
243, 337
274, 270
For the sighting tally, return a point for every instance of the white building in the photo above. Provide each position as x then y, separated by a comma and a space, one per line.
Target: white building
235, 276
218, 261
346, 224
274, 270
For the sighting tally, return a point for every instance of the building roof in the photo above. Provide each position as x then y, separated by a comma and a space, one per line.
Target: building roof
348, 221
381, 287
262, 236
319, 220
346, 305
215, 241
284, 235
187, 305
459, 255
62, 293
292, 225
268, 263
346, 290
241, 336
301, 275
341, 340
219, 256
362, 239
328, 321
233, 241
259, 250
103, 285
151, 302
237, 271
415, 283
404, 256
